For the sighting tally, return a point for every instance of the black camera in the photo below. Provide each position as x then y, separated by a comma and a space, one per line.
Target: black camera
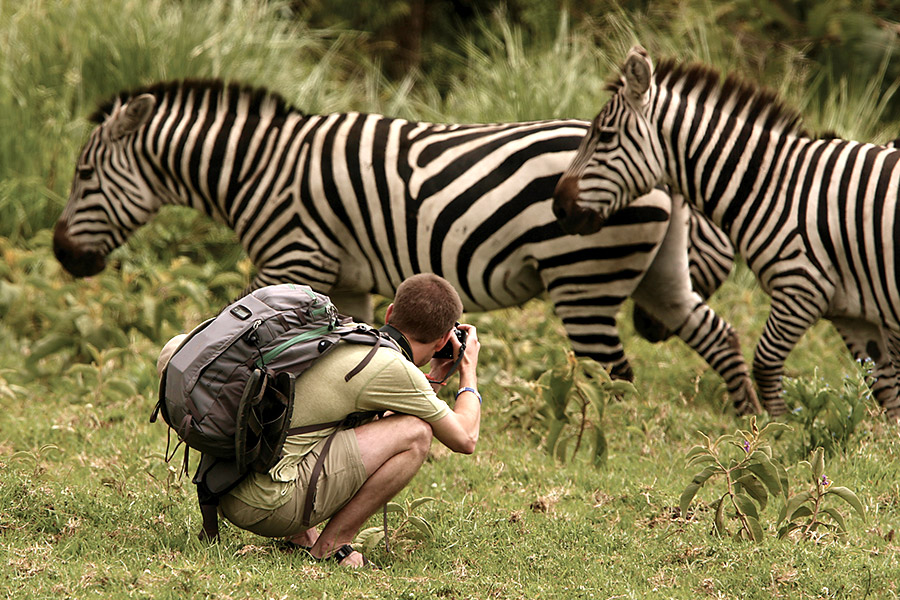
447, 350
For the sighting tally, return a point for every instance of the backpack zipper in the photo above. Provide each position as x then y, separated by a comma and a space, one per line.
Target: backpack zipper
277, 350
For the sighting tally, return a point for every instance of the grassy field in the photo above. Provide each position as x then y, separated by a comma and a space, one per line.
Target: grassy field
90, 508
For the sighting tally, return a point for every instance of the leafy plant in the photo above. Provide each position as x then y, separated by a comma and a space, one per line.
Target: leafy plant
825, 416
806, 512
744, 462
411, 529
35, 458
587, 383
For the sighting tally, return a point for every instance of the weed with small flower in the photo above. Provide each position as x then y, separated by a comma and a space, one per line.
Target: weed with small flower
752, 475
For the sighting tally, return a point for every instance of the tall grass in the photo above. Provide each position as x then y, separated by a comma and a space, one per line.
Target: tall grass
60, 59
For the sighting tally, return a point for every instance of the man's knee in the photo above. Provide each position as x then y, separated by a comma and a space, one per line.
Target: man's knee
418, 433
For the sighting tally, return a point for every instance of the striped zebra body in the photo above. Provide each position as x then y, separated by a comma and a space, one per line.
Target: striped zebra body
815, 219
352, 204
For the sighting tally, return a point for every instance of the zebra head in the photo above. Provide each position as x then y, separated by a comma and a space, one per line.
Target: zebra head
619, 158
109, 198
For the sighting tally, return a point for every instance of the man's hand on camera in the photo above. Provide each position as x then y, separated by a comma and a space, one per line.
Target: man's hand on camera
441, 368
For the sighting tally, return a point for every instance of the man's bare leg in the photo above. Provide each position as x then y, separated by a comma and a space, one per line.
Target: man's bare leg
392, 450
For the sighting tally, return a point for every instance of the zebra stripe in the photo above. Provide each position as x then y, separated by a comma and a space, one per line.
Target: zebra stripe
815, 219
352, 204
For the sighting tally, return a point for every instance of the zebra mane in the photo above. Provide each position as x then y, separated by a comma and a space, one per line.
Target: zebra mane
743, 93
258, 95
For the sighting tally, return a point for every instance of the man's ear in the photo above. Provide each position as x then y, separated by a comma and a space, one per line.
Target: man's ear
637, 72
443, 341
387, 313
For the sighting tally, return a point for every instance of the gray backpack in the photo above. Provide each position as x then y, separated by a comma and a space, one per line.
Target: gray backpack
228, 390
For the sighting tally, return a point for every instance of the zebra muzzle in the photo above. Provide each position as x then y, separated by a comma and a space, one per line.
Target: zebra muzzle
76, 260
572, 217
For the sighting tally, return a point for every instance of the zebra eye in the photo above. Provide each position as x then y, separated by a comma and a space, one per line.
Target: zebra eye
85, 173
605, 136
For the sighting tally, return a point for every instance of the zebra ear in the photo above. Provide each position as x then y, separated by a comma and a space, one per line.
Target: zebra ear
131, 116
637, 71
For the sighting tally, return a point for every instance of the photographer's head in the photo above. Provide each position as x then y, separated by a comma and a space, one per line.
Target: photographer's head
425, 308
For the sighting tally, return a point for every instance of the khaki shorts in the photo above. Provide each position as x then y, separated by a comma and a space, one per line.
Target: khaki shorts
343, 473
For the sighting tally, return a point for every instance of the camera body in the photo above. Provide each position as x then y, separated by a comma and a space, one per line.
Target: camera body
447, 350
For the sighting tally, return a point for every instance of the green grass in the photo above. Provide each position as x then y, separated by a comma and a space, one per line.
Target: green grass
89, 508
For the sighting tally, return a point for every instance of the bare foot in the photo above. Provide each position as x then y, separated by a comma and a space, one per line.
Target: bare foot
306, 539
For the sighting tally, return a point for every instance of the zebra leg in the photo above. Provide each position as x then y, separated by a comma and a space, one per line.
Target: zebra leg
665, 294
890, 402
595, 334
710, 261
867, 340
716, 341
792, 312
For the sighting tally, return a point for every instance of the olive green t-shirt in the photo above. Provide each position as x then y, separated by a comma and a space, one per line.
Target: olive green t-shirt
388, 382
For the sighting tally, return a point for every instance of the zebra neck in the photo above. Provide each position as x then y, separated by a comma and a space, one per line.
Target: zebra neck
720, 170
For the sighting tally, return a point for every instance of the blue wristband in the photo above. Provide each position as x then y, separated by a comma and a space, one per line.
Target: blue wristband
469, 389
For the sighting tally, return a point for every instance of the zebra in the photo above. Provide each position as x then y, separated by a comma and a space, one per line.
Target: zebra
353, 203
815, 219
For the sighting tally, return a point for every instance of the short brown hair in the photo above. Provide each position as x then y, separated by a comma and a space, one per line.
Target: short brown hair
426, 307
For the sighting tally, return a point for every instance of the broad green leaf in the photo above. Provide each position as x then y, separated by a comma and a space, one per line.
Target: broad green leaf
422, 525
561, 448
849, 497
89, 371
756, 532
801, 513
700, 459
419, 502
600, 447
756, 489
49, 344
783, 477
694, 451
596, 370
818, 463
123, 387
837, 516
720, 517
766, 472
368, 538
746, 505
393, 507
792, 504
227, 279
773, 428
706, 439
787, 530
553, 432
619, 387
591, 394
687, 496
557, 393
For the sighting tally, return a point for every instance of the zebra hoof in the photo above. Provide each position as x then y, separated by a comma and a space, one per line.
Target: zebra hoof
893, 414
745, 401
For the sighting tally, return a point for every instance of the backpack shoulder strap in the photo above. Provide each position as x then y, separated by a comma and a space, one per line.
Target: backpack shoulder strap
366, 359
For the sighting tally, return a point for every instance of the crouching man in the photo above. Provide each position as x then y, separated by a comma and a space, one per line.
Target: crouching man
365, 466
